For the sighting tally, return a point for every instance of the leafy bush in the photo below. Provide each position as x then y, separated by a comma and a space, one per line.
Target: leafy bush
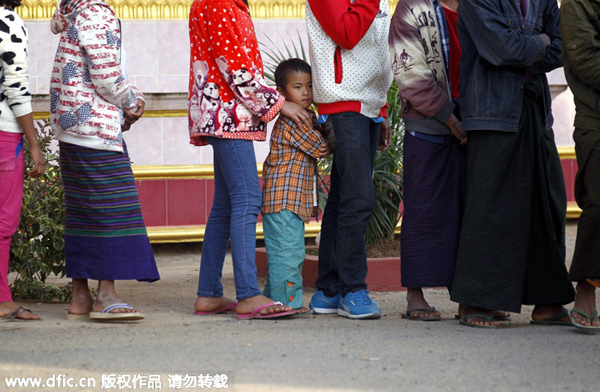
37, 249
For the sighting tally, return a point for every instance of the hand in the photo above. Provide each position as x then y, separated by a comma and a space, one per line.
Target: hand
456, 129
133, 114
297, 113
39, 163
546, 40
385, 139
324, 150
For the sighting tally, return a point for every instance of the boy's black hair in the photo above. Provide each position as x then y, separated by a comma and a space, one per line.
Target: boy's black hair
288, 67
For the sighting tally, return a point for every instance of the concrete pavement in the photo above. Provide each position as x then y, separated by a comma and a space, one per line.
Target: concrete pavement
312, 353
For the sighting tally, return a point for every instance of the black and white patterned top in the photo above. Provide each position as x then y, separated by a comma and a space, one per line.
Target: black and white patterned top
15, 99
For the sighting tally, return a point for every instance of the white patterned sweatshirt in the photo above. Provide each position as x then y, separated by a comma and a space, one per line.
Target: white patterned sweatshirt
15, 99
351, 67
88, 88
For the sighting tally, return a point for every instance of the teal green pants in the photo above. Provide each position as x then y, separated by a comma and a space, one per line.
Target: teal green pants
284, 240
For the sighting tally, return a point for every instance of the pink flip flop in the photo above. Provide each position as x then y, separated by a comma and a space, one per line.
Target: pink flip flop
256, 314
227, 309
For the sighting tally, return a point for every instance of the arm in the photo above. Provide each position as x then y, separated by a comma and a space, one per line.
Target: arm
495, 40
344, 22
582, 44
305, 139
99, 37
39, 163
553, 58
415, 79
15, 87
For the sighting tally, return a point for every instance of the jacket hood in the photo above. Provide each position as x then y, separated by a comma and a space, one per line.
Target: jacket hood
67, 10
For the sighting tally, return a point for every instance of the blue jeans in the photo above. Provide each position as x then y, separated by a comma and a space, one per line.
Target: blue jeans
342, 254
235, 208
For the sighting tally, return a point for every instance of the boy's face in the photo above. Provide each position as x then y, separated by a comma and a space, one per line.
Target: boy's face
298, 89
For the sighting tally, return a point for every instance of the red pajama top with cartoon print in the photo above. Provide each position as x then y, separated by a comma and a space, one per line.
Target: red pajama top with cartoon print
228, 95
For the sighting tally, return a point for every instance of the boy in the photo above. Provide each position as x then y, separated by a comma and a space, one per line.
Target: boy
289, 187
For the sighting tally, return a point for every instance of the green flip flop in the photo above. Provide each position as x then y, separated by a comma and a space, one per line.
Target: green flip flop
464, 321
408, 315
591, 317
556, 320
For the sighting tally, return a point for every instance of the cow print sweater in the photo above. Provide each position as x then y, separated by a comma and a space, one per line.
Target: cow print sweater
15, 99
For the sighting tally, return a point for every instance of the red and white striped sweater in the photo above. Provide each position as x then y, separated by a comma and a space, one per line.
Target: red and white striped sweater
88, 88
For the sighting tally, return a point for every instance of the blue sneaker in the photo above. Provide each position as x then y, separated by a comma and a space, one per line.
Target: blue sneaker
359, 305
322, 304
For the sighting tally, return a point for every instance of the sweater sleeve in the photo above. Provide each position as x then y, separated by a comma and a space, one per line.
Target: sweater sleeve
99, 36
552, 58
417, 83
13, 49
235, 53
305, 139
345, 22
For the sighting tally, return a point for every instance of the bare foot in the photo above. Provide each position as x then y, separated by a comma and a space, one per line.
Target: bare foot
208, 304
546, 312
82, 301
107, 296
302, 310
477, 316
585, 300
8, 307
249, 305
416, 300
499, 314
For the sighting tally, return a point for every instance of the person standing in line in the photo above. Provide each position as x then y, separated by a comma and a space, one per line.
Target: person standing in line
512, 241
229, 106
290, 187
425, 60
580, 26
351, 77
91, 104
16, 120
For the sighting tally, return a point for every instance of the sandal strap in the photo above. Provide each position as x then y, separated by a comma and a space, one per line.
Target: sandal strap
257, 310
116, 306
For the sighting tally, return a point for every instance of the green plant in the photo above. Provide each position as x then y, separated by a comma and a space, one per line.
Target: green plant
274, 56
388, 172
37, 249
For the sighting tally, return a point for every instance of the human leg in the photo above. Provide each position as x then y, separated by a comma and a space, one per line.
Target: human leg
81, 301
586, 259
284, 240
214, 247
237, 165
11, 195
356, 140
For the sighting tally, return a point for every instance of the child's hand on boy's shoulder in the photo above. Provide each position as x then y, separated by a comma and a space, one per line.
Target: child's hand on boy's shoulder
324, 150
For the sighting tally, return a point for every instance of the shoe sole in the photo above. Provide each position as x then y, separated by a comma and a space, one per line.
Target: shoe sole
367, 316
323, 310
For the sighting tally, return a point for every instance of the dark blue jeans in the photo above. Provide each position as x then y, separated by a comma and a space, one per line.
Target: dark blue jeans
235, 208
342, 254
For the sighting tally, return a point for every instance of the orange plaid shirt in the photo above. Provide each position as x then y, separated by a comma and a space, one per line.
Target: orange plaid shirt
290, 168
